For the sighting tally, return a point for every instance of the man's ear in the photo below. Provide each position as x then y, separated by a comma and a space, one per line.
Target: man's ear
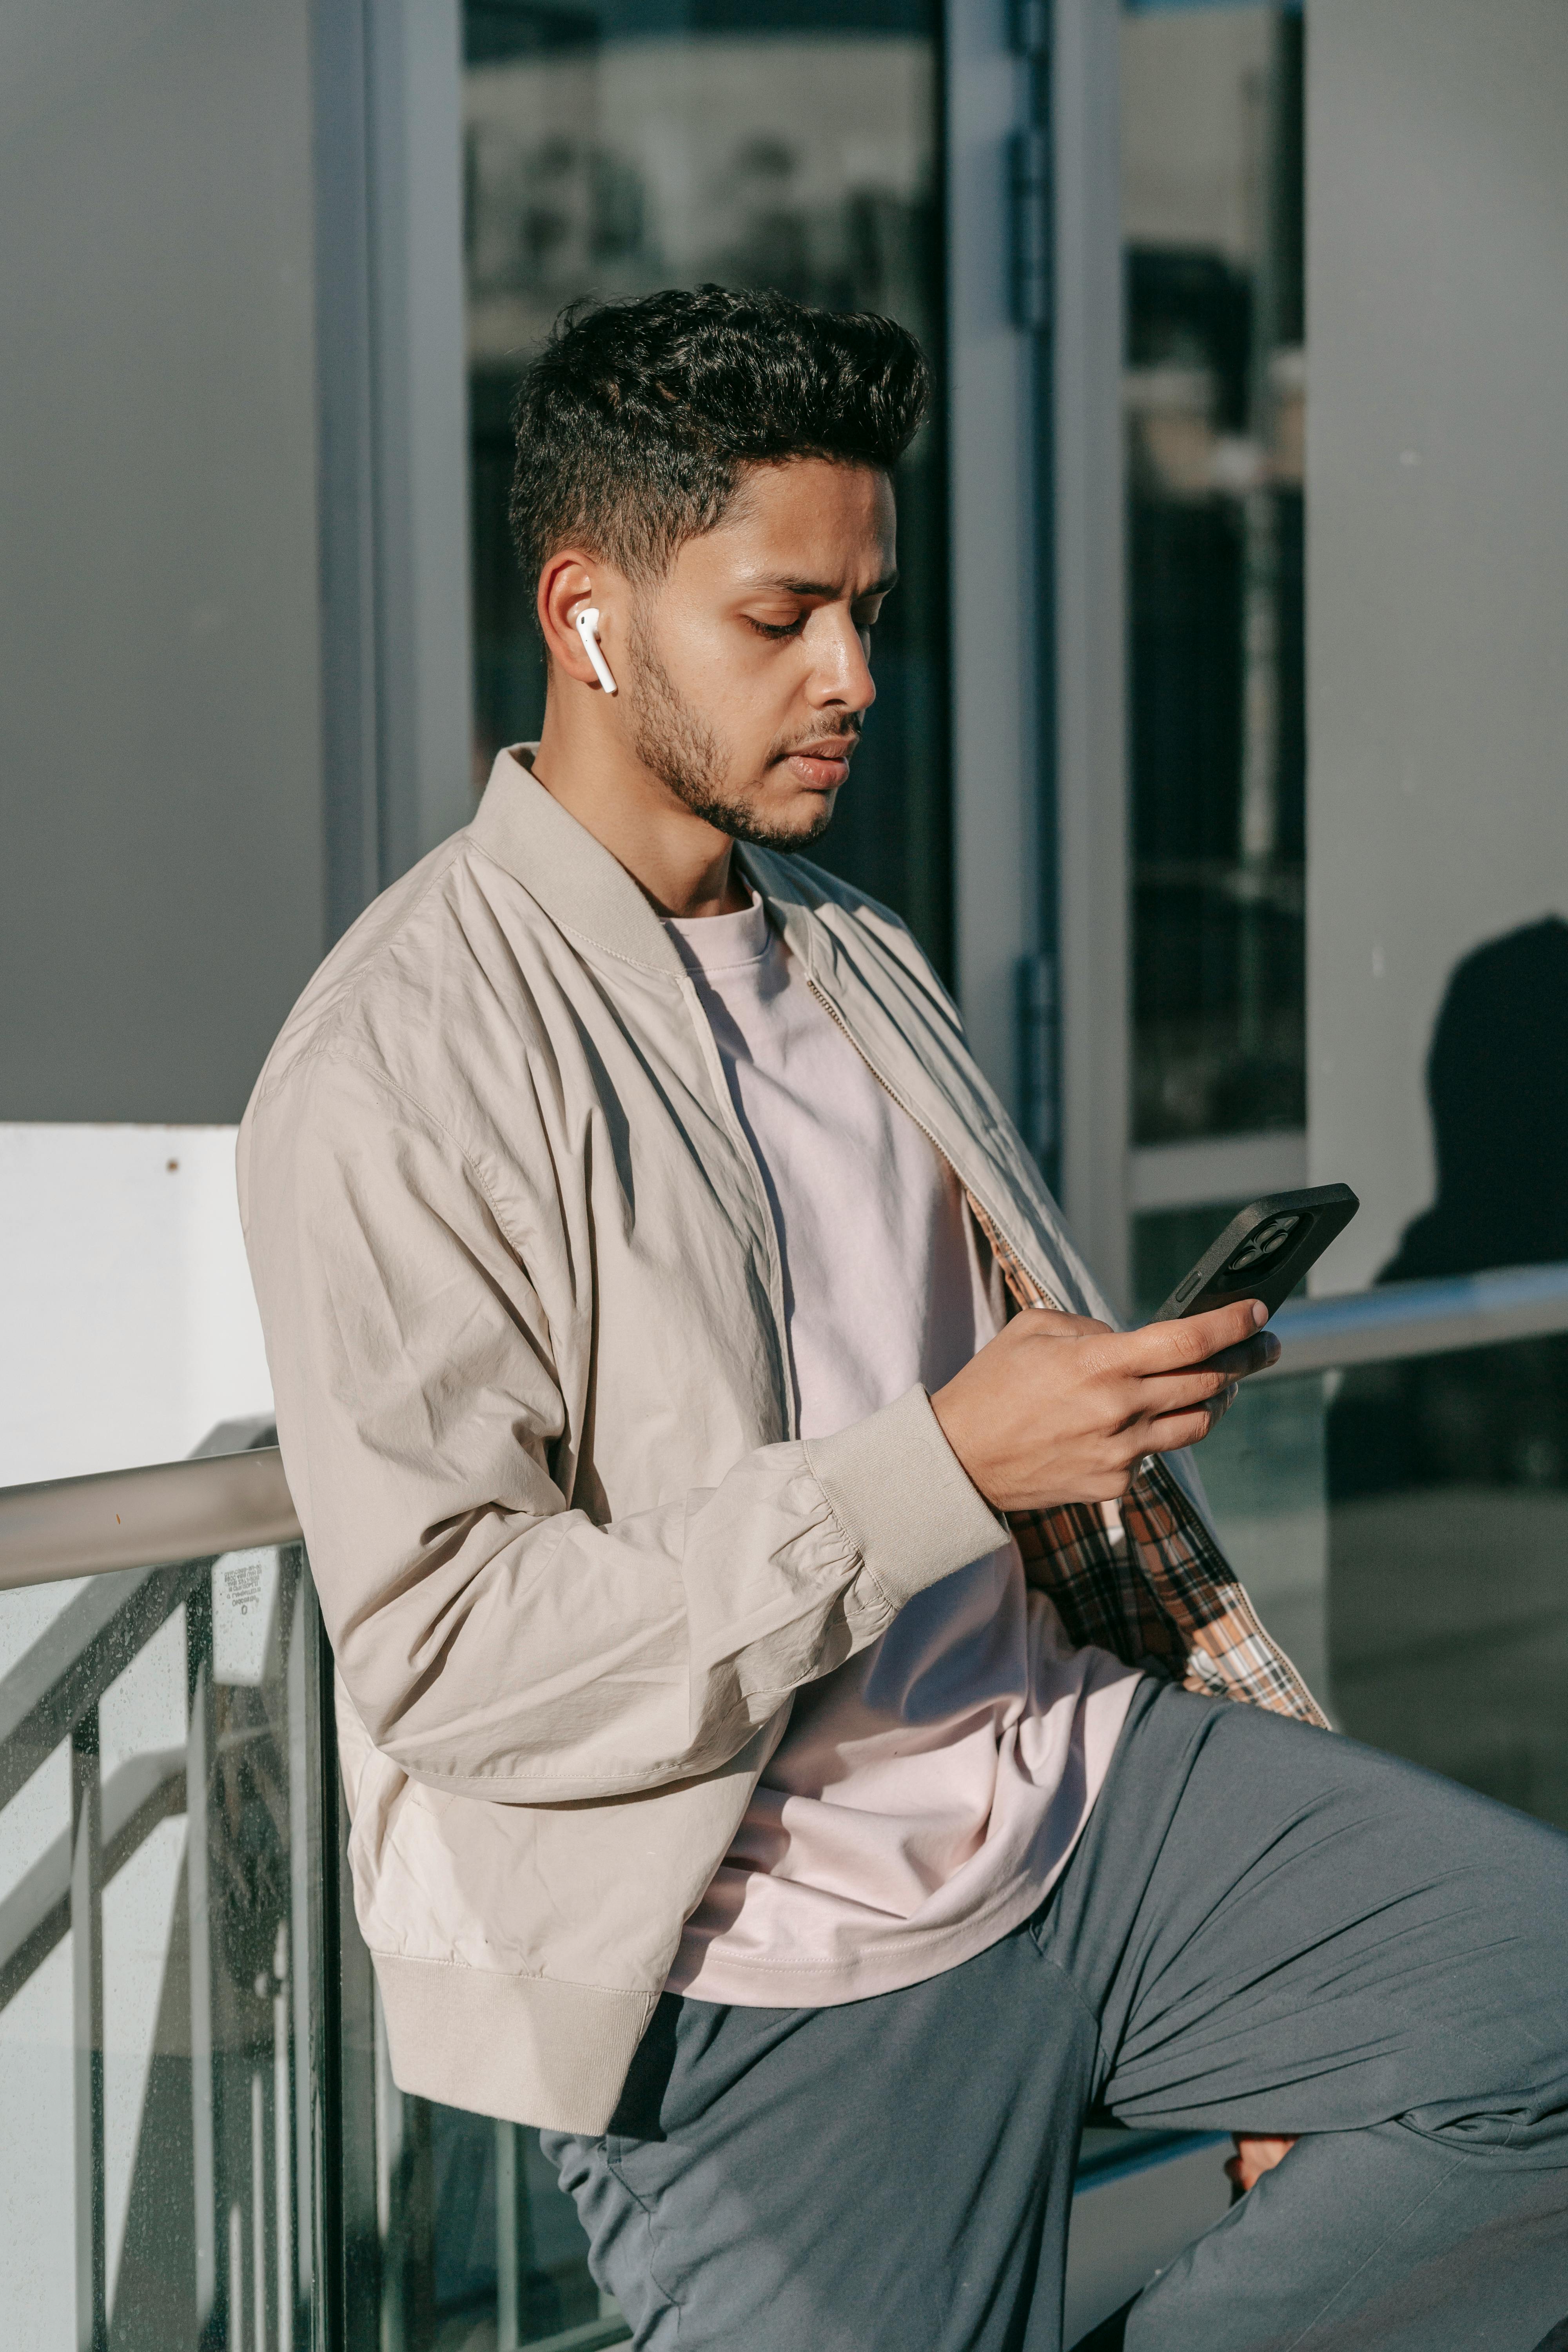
572, 581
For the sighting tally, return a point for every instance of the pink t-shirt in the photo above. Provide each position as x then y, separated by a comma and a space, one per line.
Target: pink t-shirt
924, 1795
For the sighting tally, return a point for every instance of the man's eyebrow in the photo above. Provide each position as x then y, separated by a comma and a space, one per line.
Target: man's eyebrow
828, 589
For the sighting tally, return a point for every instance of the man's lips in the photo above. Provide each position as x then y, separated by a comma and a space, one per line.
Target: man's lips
823, 766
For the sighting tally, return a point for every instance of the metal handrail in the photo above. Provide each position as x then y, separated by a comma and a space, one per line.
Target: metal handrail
225, 1502
127, 1518
1400, 1320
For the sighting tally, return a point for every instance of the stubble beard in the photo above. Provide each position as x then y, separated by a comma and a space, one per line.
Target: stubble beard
674, 744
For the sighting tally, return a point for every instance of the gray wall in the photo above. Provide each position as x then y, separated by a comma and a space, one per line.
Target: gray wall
233, 658
162, 885
1438, 544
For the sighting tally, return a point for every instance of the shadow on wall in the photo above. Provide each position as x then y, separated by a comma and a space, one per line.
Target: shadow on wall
1448, 1476
1497, 1081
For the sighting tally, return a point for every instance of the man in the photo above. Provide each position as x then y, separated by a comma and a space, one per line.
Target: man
784, 1667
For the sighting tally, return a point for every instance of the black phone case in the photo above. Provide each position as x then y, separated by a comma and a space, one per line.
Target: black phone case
1264, 1252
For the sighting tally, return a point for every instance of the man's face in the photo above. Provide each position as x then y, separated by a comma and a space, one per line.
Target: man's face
748, 673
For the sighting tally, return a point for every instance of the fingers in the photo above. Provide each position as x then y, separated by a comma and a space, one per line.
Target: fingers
1171, 1347
1172, 1431
1166, 1432
1222, 1327
1253, 1355
1169, 1391
1183, 1391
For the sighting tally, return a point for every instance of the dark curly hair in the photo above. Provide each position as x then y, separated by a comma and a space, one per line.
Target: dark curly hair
636, 420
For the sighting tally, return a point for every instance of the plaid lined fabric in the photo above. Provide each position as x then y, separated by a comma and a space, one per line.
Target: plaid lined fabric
1145, 1579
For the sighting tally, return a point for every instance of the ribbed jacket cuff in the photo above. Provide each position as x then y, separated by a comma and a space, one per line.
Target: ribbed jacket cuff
899, 1493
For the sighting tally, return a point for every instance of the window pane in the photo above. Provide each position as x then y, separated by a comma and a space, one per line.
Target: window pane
611, 150
1213, 392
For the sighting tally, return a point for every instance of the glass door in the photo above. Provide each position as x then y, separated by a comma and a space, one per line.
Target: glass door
1214, 390
615, 149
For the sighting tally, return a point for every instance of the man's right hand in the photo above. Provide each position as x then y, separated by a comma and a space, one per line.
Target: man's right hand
1060, 1409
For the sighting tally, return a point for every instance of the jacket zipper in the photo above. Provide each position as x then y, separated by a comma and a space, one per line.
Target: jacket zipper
1012, 1260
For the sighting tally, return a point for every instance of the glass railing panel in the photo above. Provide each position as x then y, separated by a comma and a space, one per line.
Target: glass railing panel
1264, 1472
1402, 1527
162, 2092
478, 2250
36, 2080
455, 2236
465, 2243
1447, 1567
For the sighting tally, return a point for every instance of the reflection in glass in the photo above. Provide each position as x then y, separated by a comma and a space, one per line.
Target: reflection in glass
1214, 394
1411, 1560
1167, 1243
1449, 1597
1450, 1474
610, 152
479, 2250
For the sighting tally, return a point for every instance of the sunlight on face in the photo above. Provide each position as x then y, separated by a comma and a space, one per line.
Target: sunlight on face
751, 658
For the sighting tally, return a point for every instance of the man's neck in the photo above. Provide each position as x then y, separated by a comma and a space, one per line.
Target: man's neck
682, 863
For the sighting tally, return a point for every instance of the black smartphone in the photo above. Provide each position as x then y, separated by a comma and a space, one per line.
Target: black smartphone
1264, 1252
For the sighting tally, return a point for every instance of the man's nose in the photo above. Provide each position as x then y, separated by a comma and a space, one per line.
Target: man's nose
841, 677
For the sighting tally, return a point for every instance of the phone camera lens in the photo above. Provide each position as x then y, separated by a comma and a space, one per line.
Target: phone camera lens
1263, 1244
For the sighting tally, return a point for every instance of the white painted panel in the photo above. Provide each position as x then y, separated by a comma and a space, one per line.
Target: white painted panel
130, 1324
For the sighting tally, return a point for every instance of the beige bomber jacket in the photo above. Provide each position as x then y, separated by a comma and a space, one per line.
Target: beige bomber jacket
524, 1316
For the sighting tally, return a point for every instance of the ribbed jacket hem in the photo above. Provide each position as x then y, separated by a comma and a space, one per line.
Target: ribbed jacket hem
530, 2050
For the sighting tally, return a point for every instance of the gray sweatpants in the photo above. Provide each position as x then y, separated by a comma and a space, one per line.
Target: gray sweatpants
1264, 1929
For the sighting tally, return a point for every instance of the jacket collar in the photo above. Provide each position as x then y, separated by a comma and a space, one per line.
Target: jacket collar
568, 872
571, 874
585, 889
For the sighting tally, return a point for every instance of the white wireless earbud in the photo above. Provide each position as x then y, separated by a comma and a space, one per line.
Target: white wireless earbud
587, 627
